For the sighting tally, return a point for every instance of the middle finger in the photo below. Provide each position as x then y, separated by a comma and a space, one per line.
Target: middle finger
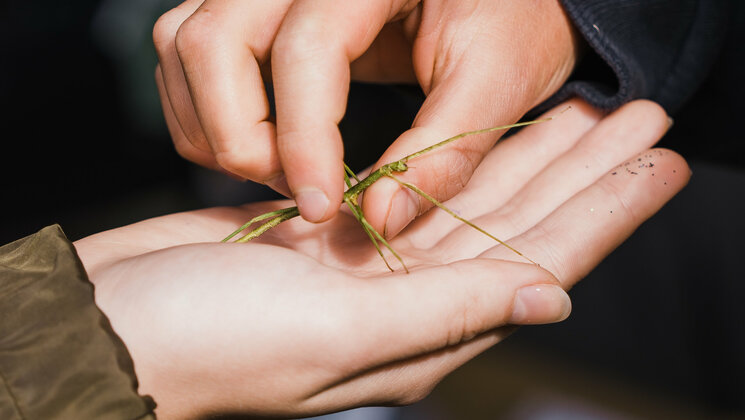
221, 47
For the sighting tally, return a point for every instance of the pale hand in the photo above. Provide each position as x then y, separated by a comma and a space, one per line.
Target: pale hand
307, 319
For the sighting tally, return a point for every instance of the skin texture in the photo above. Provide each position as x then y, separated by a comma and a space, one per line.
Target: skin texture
480, 63
307, 319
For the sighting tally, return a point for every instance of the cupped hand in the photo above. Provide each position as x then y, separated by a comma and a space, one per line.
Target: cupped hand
480, 64
307, 319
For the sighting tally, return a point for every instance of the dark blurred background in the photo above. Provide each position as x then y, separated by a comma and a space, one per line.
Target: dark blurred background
657, 329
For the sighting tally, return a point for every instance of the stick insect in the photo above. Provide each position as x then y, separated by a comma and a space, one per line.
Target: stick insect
274, 218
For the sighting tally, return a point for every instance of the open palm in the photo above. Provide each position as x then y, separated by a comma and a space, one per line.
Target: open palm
307, 319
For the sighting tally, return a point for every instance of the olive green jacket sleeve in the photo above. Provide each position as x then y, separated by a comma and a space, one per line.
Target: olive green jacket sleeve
59, 357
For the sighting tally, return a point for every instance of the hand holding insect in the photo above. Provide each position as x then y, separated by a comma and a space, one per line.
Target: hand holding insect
218, 328
481, 64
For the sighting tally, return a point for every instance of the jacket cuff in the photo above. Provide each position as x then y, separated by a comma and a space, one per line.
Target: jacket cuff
654, 49
59, 357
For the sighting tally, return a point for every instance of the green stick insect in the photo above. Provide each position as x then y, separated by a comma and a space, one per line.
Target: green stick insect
274, 218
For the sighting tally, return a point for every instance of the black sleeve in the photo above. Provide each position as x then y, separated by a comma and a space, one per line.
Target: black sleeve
653, 49
59, 357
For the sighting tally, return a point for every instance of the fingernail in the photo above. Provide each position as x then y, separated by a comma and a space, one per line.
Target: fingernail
404, 208
279, 184
670, 122
312, 203
540, 304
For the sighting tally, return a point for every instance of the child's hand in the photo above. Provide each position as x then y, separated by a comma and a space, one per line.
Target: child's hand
480, 63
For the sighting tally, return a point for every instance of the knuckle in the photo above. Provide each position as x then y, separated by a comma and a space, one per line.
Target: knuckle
165, 28
197, 34
465, 325
513, 214
306, 40
550, 245
256, 159
248, 165
188, 151
197, 138
231, 162
616, 195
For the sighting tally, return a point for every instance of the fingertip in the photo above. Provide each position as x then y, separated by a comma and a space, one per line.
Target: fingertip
317, 204
312, 160
673, 168
251, 155
659, 169
649, 112
313, 204
540, 304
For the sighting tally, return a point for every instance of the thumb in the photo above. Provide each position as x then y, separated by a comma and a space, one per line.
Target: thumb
454, 106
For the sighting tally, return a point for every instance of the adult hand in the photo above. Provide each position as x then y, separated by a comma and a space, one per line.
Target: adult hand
480, 64
307, 319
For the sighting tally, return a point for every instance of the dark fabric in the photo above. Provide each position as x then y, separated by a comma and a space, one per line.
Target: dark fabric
709, 126
59, 357
654, 49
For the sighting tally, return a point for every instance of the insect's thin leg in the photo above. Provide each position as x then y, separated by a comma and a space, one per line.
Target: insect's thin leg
258, 219
346, 179
357, 211
367, 225
350, 172
452, 213
377, 247
482, 131
287, 215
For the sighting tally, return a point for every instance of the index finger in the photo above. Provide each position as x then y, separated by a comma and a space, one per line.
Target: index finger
310, 68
